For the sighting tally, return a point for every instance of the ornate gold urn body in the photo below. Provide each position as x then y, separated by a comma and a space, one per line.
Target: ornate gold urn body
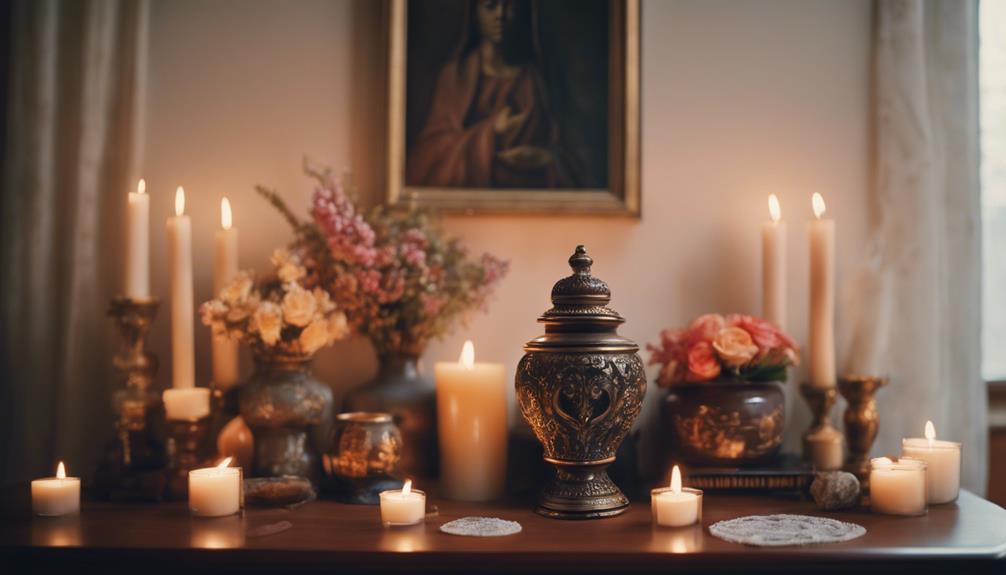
580, 386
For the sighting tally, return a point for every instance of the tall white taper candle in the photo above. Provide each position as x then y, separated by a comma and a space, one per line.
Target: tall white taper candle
773, 254
183, 366
225, 268
822, 297
137, 275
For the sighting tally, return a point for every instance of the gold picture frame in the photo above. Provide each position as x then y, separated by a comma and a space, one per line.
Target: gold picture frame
621, 196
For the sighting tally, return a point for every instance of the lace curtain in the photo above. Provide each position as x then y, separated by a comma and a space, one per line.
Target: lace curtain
916, 303
73, 136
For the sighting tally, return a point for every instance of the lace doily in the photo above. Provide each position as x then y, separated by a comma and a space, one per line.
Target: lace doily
481, 527
778, 530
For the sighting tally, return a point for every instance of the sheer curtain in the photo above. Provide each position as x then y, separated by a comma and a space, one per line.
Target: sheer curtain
74, 120
916, 303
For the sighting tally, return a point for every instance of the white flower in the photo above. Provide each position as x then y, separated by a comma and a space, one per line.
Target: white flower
338, 327
314, 337
268, 322
288, 267
324, 301
235, 293
299, 306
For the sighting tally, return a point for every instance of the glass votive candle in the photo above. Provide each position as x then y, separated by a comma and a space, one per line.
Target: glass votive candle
406, 506
898, 487
215, 491
943, 466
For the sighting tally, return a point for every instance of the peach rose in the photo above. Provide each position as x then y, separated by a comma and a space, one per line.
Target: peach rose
338, 327
288, 267
267, 321
705, 327
299, 306
314, 337
734, 346
235, 293
702, 362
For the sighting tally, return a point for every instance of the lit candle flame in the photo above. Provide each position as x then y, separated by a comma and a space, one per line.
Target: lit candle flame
225, 463
407, 488
179, 201
225, 214
774, 211
467, 358
60, 471
930, 433
141, 186
817, 201
675, 480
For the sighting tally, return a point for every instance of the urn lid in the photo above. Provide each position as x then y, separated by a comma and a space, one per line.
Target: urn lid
580, 318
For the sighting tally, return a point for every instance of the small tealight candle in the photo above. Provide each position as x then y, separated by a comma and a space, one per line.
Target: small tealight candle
215, 491
675, 506
54, 496
186, 404
825, 447
898, 487
943, 464
405, 507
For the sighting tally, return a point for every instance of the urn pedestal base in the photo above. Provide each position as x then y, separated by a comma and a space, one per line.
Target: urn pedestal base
581, 490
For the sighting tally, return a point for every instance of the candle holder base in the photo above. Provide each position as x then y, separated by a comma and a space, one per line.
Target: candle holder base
133, 465
187, 448
820, 400
581, 491
861, 421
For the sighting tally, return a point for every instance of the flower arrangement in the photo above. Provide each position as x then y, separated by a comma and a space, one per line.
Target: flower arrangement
741, 346
277, 314
399, 280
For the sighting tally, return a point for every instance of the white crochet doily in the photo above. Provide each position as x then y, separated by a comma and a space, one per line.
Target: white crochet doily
778, 530
481, 527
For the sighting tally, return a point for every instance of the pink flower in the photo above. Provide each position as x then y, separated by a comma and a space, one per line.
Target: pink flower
702, 362
705, 327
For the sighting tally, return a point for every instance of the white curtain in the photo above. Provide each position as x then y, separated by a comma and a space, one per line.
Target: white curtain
916, 304
72, 143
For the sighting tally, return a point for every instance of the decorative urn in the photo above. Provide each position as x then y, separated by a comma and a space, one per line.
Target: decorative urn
580, 386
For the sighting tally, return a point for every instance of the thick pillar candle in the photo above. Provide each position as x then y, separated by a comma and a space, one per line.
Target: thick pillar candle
472, 423
215, 491
54, 496
137, 274
822, 297
183, 366
225, 268
943, 464
898, 487
773, 254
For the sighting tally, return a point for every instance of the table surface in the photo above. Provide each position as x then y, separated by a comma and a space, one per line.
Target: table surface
326, 534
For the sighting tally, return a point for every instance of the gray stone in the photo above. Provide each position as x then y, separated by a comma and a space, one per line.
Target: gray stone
833, 490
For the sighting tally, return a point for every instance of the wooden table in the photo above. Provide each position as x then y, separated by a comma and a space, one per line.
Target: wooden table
330, 537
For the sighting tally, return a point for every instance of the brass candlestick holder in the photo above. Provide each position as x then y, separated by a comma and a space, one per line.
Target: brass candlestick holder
187, 451
820, 400
135, 459
861, 420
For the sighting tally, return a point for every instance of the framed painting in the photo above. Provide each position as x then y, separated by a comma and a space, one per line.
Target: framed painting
514, 106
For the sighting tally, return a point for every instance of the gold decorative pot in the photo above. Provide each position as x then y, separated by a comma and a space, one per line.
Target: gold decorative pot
580, 386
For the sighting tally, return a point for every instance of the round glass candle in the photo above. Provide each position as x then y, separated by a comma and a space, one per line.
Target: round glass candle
402, 508
898, 487
215, 491
54, 496
670, 509
943, 461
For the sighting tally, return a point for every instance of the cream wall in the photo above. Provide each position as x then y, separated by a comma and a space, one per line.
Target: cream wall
740, 99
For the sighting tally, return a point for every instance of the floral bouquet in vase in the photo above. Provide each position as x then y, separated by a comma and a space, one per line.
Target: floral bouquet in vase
285, 322
401, 282
725, 404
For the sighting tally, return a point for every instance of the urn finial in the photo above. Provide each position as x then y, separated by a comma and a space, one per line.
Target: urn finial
580, 261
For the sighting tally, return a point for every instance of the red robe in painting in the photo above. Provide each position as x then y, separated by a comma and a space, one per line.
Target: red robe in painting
457, 147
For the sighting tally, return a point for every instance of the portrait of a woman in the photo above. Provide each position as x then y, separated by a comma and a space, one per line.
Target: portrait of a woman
489, 123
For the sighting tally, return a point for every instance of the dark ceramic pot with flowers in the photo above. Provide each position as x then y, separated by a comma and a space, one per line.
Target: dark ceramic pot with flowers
725, 404
402, 283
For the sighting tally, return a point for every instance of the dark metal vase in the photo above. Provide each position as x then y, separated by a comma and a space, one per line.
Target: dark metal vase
580, 387
290, 415
724, 422
400, 390
363, 459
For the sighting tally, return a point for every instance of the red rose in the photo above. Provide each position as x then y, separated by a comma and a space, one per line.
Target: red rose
702, 362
